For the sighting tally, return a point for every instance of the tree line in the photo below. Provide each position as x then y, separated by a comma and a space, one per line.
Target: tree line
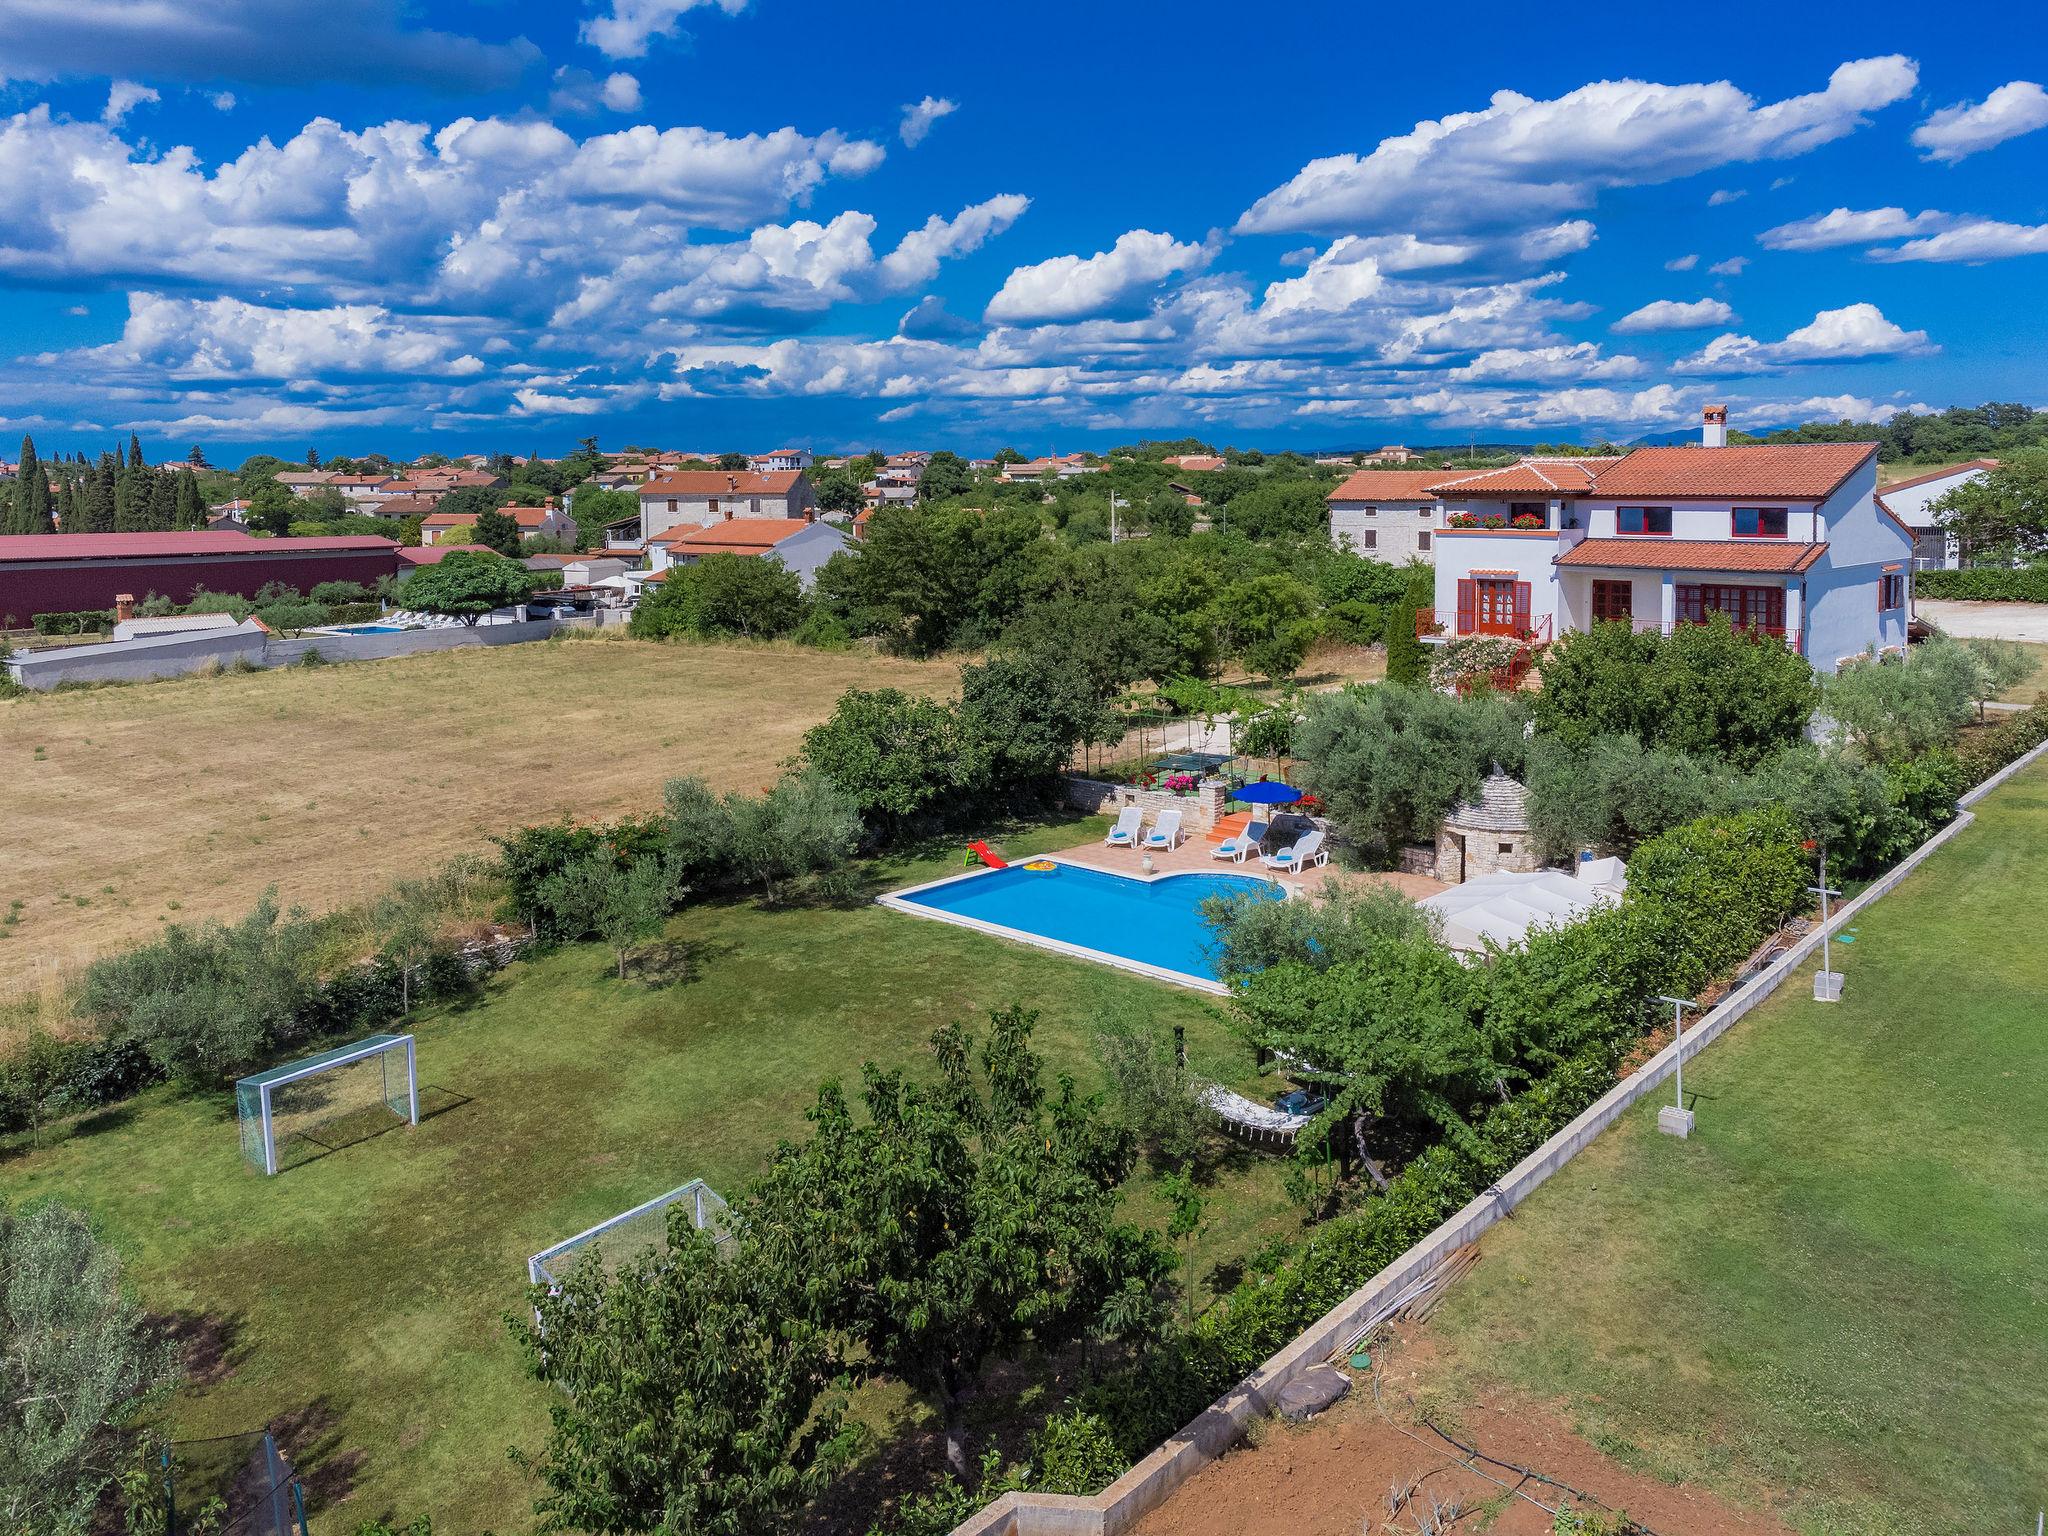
118, 493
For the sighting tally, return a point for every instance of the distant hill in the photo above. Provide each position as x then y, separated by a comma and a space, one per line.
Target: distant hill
1686, 435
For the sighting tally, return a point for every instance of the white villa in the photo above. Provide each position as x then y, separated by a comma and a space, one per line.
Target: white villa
1935, 548
1788, 540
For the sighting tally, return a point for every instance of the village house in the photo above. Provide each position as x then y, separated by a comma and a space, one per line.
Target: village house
700, 497
534, 522
801, 543
780, 459
1788, 540
1389, 514
1934, 547
1053, 467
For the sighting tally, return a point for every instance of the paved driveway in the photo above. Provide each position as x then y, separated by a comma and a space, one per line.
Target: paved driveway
1987, 621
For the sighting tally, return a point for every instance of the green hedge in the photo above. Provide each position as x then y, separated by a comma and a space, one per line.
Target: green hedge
1985, 583
1987, 751
90, 621
1701, 898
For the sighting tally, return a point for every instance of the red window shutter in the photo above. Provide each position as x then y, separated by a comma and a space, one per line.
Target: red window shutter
1468, 601
1522, 607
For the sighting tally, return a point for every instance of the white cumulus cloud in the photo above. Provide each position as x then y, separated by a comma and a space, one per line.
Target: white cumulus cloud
1849, 334
620, 92
1732, 267
919, 116
1119, 281
1682, 263
1957, 132
123, 97
629, 27
1521, 160
1851, 226
1972, 239
1674, 315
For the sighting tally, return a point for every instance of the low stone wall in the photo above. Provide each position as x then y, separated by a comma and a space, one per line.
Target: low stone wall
166, 656
1146, 1486
1198, 812
408, 642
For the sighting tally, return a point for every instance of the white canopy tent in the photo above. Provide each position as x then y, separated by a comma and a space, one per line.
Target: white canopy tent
1503, 908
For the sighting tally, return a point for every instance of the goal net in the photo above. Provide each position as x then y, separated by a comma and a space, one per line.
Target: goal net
624, 1237
329, 1100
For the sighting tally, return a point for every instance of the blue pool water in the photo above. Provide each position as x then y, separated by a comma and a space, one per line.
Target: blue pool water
369, 629
1155, 922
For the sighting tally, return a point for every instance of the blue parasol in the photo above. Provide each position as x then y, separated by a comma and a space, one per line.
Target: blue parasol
1267, 792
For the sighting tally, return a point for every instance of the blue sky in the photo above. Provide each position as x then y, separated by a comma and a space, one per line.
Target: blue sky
274, 224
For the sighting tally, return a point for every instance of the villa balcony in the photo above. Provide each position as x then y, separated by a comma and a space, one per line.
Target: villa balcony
1428, 627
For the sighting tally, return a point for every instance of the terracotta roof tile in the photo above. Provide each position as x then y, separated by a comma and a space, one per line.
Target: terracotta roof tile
1652, 554
719, 482
1539, 477
1388, 485
737, 535
1782, 471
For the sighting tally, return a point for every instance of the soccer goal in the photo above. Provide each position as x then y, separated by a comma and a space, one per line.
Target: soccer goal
623, 1237
330, 1099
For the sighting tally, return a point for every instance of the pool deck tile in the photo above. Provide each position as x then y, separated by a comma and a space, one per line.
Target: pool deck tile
1195, 855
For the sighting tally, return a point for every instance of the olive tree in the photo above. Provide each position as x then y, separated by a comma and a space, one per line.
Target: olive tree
76, 1363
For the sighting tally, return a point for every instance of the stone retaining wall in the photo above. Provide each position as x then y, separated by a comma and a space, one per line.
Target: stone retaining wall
1198, 812
1147, 1485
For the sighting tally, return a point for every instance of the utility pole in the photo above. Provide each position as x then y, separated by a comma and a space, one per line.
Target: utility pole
1676, 1119
1827, 986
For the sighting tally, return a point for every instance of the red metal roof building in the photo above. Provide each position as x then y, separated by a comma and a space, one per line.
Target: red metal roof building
73, 572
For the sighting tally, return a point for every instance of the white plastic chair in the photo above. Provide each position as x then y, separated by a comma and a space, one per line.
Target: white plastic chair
1241, 847
1165, 833
1305, 854
1125, 833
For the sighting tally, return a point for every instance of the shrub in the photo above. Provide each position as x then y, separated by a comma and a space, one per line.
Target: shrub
532, 854
2012, 738
1899, 707
292, 614
894, 754
1470, 659
231, 603
1705, 689
1153, 1095
755, 598
78, 1360
1357, 623
1075, 1452
208, 1003
1987, 583
332, 592
92, 621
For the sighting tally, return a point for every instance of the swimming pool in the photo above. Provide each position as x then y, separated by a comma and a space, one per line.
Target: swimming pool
367, 629
1153, 926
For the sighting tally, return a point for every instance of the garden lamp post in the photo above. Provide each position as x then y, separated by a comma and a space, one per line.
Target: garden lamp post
1676, 1119
1827, 986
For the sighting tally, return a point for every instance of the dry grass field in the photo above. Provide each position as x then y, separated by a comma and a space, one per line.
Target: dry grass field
166, 802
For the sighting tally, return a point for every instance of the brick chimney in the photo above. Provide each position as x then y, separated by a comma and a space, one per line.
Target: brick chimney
1714, 429
124, 607
732, 482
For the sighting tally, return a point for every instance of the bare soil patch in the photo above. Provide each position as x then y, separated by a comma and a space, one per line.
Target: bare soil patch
1338, 1474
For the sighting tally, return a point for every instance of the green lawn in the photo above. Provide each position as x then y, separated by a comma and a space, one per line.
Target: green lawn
358, 1298
1836, 1293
